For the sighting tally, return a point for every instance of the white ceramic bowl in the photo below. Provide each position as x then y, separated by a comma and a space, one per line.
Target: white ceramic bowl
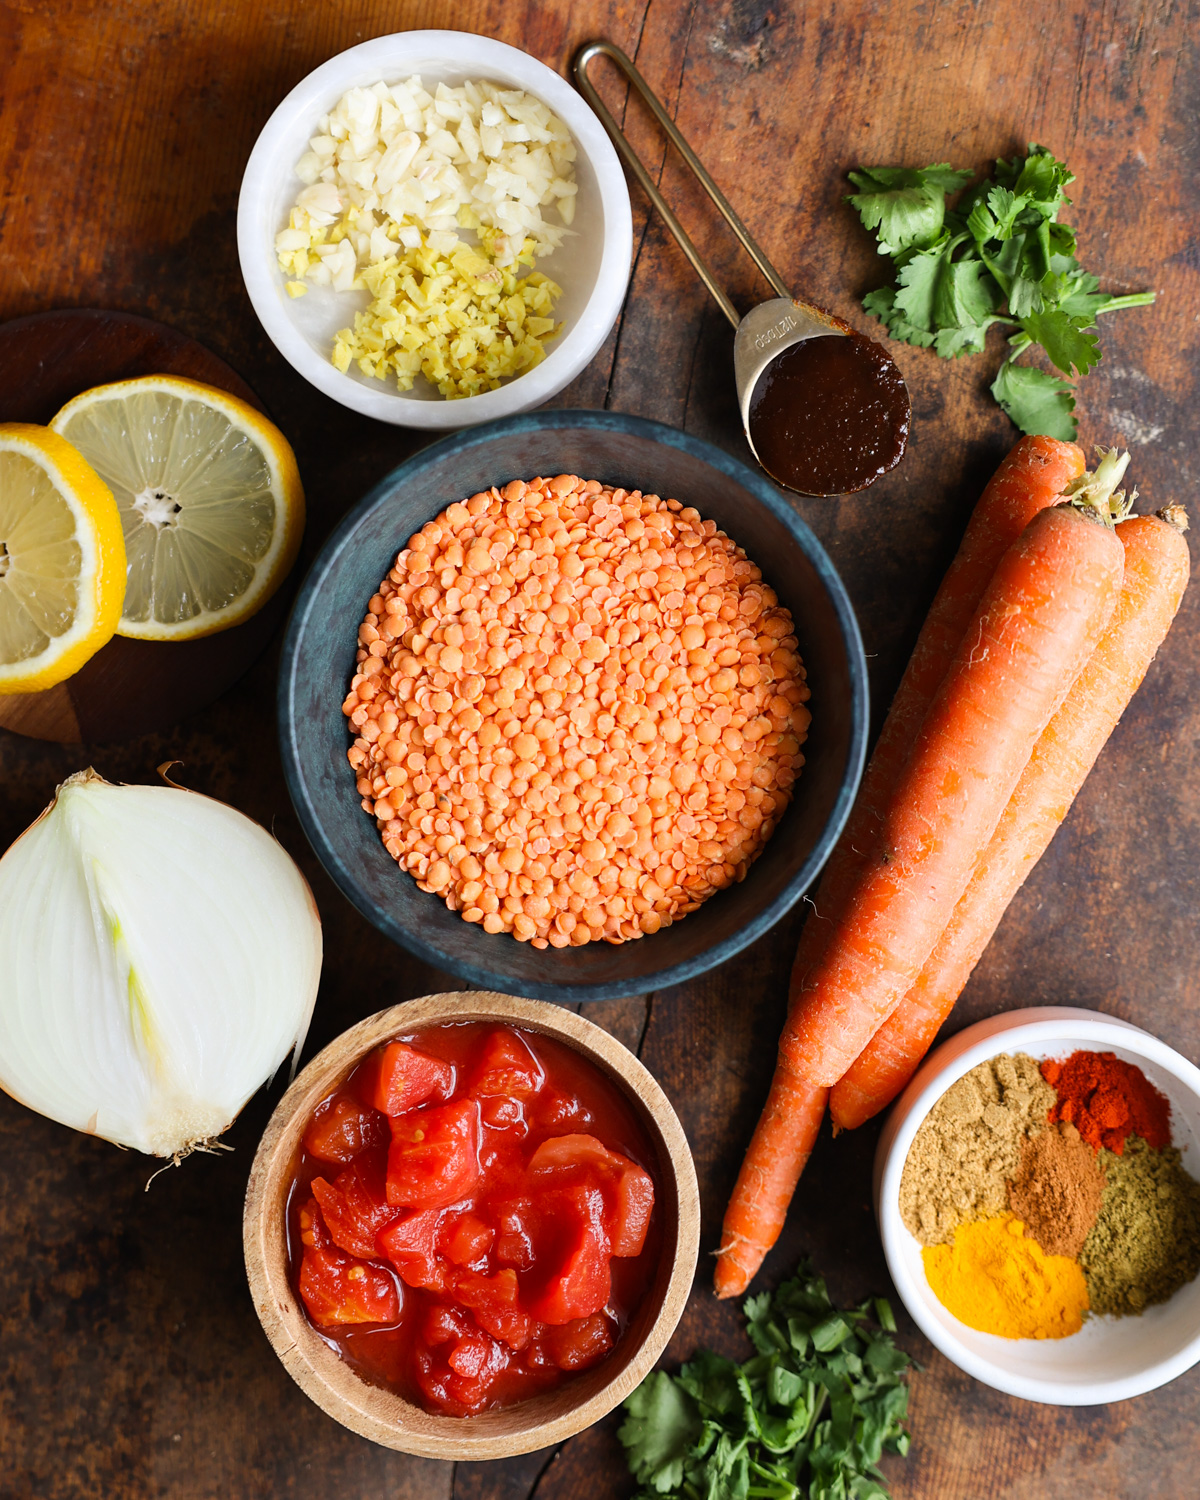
1110, 1359
592, 266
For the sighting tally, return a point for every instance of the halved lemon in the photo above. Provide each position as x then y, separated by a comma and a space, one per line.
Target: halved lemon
209, 495
62, 560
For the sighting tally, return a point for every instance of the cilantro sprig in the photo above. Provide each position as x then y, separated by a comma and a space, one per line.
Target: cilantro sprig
808, 1417
1000, 255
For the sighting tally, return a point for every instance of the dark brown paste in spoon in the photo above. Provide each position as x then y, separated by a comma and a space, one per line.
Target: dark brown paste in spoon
830, 415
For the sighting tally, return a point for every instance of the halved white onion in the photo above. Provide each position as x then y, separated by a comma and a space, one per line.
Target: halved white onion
159, 958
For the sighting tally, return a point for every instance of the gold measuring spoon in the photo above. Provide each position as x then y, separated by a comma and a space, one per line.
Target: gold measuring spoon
824, 409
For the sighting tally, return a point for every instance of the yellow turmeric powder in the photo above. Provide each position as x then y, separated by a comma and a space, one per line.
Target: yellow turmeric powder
995, 1280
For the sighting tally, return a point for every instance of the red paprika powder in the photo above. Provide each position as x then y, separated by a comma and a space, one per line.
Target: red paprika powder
1107, 1100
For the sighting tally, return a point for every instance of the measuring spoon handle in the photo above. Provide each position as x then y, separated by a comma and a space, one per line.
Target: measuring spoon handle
579, 67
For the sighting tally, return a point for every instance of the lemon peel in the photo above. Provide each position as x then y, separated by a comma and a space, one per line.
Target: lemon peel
62, 560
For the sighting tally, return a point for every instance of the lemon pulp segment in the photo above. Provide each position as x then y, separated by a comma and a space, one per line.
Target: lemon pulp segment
209, 497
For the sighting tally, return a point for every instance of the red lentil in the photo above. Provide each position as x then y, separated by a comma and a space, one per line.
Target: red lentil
578, 711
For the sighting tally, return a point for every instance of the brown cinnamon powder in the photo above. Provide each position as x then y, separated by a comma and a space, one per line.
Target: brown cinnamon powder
1057, 1189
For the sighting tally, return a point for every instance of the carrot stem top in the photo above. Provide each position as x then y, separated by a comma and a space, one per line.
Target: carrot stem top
1096, 494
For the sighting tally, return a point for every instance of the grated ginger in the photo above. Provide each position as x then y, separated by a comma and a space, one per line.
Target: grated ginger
457, 318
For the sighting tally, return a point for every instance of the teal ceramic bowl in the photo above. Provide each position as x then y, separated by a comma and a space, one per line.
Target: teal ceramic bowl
318, 661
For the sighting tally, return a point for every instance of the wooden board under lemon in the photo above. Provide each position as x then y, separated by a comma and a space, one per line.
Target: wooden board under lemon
209, 498
62, 560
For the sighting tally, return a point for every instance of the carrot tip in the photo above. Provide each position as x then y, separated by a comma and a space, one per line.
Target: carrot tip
1174, 515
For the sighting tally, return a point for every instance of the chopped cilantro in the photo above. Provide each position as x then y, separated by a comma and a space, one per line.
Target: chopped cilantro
998, 256
808, 1417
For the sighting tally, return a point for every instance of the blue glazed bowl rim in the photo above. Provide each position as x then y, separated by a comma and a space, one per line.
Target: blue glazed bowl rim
764, 491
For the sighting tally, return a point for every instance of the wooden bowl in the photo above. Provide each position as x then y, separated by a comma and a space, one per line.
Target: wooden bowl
382, 1415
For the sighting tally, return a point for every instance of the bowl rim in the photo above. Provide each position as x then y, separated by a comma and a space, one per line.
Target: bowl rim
566, 358
372, 1411
479, 973
1037, 1026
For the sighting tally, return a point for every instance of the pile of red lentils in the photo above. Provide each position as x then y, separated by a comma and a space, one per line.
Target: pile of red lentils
578, 711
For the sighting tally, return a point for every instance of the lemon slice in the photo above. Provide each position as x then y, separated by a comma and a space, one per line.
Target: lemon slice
209, 496
62, 560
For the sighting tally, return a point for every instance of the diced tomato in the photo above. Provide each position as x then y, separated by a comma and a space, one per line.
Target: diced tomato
399, 1078
457, 1365
354, 1206
342, 1127
442, 1324
571, 1276
514, 1243
505, 1114
467, 1239
578, 1345
628, 1190
631, 1211
552, 1111
507, 1067
411, 1244
312, 1225
434, 1155
493, 1300
336, 1288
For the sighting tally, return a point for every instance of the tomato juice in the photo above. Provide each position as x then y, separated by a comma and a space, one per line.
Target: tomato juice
473, 1216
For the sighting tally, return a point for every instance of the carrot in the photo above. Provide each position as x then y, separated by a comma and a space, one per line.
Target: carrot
767, 1179
1049, 599
1156, 574
1032, 476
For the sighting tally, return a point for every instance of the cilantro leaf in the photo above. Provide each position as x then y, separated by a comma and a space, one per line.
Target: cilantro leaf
918, 280
1005, 207
966, 296
1063, 338
1036, 400
805, 1418
659, 1432
1042, 179
948, 302
883, 304
904, 205
948, 178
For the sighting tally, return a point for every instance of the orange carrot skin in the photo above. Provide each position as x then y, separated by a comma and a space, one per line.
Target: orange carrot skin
1047, 604
1156, 574
779, 1152
1031, 477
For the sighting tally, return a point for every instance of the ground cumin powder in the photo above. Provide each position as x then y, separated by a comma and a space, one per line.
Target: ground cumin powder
969, 1147
1145, 1243
1057, 1189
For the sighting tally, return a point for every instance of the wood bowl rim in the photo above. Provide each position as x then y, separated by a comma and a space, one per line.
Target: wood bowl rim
380, 1414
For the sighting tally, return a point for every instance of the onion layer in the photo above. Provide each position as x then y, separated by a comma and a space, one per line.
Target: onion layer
159, 958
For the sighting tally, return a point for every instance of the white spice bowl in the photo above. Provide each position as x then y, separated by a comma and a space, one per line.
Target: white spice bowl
1110, 1359
592, 265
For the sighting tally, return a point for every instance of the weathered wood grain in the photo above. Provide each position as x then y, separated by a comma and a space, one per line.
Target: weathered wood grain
130, 1362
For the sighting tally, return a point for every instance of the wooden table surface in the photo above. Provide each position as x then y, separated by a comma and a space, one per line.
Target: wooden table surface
131, 1362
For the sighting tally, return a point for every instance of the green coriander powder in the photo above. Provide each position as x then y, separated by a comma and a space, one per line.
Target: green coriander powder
1145, 1243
